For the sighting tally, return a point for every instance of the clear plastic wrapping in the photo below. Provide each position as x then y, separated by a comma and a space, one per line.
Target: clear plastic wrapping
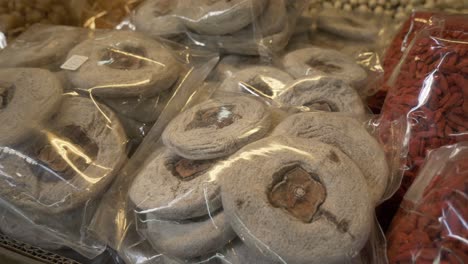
393, 53
428, 91
248, 27
74, 105
359, 37
430, 225
249, 172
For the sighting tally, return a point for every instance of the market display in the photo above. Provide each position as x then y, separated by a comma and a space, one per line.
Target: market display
242, 131
70, 125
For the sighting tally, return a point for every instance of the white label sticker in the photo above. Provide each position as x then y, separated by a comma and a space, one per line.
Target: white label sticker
74, 62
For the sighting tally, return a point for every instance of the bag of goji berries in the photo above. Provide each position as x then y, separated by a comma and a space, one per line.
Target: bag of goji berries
429, 89
418, 20
430, 226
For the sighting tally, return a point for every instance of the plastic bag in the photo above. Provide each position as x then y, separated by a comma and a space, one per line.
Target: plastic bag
213, 188
393, 53
430, 225
248, 27
428, 90
428, 87
67, 124
361, 37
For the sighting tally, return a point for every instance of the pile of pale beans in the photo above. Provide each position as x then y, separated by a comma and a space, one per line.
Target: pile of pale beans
397, 9
17, 15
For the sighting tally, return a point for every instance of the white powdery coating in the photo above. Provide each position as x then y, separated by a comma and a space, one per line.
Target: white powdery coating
157, 192
346, 134
249, 174
339, 95
159, 69
237, 252
211, 142
189, 239
36, 95
40, 46
276, 24
230, 64
346, 25
346, 69
60, 195
242, 80
220, 17
147, 19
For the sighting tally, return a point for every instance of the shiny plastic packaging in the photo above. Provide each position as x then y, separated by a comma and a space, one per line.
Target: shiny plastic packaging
74, 105
359, 38
428, 90
430, 226
249, 172
393, 53
249, 27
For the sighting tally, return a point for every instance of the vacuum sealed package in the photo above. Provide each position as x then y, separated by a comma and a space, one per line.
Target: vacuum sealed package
74, 104
249, 27
430, 225
260, 167
428, 90
358, 37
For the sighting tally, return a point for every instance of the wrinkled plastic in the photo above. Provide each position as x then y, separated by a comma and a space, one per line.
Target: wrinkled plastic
362, 37
235, 176
430, 225
248, 27
393, 53
428, 89
68, 126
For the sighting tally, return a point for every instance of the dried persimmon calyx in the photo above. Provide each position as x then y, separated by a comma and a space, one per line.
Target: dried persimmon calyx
299, 198
186, 169
347, 134
124, 64
298, 193
171, 187
217, 128
126, 57
218, 117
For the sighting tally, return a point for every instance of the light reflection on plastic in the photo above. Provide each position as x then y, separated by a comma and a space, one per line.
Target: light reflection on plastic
249, 155
3, 41
63, 147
